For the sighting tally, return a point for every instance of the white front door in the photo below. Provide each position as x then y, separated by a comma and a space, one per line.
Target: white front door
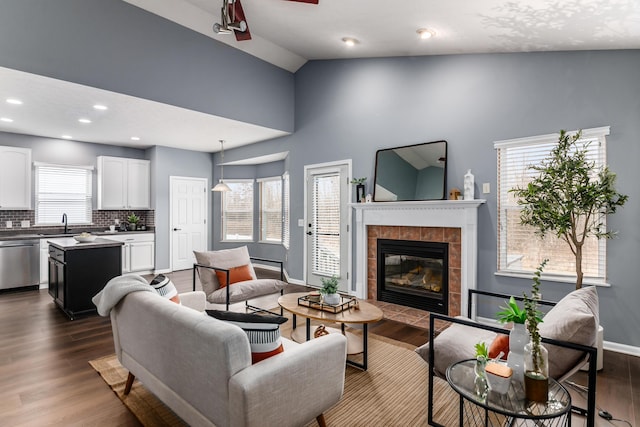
188, 221
327, 218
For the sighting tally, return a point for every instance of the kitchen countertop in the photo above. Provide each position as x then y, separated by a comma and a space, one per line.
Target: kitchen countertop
69, 243
22, 234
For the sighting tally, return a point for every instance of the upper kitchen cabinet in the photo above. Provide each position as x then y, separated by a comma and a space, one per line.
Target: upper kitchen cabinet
123, 183
15, 178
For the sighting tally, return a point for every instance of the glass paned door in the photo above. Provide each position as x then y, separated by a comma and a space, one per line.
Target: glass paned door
326, 233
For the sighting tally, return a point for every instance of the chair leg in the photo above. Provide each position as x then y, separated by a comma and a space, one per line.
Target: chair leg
127, 386
321, 421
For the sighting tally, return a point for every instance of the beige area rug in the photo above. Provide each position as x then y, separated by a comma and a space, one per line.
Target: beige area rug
392, 392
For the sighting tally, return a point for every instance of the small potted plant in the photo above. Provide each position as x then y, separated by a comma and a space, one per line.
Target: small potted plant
518, 337
133, 221
536, 360
359, 183
482, 355
329, 290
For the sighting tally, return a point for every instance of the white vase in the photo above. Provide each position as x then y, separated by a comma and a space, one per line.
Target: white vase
518, 338
468, 185
331, 299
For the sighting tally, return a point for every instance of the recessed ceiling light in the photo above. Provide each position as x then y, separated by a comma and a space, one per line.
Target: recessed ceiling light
100, 107
425, 33
67, 137
14, 101
84, 120
135, 138
6, 119
350, 41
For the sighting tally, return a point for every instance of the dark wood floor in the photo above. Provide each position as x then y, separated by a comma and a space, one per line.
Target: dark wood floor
45, 378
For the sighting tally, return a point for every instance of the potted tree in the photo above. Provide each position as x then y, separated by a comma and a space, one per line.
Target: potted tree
329, 290
569, 197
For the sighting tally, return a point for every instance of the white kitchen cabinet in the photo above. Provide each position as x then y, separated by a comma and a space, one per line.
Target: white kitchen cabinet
123, 183
15, 178
138, 251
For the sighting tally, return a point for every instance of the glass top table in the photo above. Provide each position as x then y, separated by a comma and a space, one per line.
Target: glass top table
510, 408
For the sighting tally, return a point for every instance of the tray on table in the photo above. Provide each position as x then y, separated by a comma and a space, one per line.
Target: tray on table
346, 302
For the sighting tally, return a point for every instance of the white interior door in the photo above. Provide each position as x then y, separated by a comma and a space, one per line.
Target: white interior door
188, 220
327, 223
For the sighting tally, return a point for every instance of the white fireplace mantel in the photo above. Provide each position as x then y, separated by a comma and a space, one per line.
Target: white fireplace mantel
461, 214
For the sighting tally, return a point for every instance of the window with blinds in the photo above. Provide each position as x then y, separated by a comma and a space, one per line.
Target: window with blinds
326, 225
60, 190
237, 210
520, 251
286, 231
270, 209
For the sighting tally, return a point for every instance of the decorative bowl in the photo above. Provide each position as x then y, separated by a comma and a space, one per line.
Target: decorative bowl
85, 238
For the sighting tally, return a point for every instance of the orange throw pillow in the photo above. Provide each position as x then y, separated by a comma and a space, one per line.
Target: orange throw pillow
236, 274
500, 343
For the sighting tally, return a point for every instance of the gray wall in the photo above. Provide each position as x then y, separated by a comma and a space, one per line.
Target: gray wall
112, 45
351, 108
63, 152
167, 162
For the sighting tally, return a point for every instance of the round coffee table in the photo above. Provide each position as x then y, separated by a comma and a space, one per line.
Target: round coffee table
367, 313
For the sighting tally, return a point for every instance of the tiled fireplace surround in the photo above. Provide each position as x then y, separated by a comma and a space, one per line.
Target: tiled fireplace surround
452, 222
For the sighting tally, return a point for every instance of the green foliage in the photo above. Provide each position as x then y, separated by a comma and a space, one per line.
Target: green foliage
533, 315
570, 197
329, 286
482, 350
512, 313
358, 180
133, 219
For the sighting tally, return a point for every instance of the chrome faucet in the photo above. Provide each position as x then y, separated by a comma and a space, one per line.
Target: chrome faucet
64, 221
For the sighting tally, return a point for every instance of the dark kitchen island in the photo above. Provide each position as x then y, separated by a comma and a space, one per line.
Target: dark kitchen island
78, 271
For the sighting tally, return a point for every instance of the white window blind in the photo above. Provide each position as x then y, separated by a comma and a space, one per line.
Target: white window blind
271, 209
520, 250
326, 224
286, 232
237, 210
63, 189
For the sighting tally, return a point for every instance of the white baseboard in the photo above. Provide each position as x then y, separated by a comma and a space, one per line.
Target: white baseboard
621, 348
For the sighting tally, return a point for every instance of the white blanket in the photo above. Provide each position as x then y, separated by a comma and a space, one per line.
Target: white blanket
116, 289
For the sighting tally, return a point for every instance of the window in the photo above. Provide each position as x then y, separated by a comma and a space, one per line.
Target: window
237, 210
519, 250
271, 210
60, 190
286, 232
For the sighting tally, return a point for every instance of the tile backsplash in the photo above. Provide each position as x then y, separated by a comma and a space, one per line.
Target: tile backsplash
100, 218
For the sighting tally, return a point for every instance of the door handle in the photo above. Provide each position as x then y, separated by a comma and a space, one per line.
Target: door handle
309, 233
177, 229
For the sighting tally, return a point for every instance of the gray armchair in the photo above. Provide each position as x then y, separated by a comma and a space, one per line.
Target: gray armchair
456, 342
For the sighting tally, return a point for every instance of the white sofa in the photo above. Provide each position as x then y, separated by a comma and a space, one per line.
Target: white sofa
201, 368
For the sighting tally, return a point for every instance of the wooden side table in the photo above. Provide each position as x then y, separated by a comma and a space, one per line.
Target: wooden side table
367, 313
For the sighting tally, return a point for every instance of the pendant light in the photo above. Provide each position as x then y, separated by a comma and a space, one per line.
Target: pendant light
221, 186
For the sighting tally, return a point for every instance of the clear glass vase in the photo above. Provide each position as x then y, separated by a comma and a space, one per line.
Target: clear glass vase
481, 385
518, 338
536, 372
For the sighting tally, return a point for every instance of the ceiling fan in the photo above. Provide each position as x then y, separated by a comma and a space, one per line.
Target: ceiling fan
233, 20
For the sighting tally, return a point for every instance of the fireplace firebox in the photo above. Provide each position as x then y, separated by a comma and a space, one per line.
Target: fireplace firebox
413, 274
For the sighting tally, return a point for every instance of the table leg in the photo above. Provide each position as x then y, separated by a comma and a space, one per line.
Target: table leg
308, 329
365, 350
294, 322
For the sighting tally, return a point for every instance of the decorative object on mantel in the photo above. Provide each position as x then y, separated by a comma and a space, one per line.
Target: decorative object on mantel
536, 358
454, 194
468, 185
368, 198
359, 183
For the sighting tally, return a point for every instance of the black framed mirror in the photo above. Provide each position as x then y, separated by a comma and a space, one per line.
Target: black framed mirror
411, 172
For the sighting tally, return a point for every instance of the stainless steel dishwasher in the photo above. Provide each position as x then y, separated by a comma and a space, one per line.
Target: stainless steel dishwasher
19, 263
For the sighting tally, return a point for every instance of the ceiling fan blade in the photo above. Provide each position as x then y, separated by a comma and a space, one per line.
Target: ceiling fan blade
239, 16
306, 1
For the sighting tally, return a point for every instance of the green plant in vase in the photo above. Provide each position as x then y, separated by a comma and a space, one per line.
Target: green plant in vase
536, 363
359, 183
480, 382
329, 290
133, 220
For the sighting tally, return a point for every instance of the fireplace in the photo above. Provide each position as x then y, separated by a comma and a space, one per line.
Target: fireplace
413, 274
